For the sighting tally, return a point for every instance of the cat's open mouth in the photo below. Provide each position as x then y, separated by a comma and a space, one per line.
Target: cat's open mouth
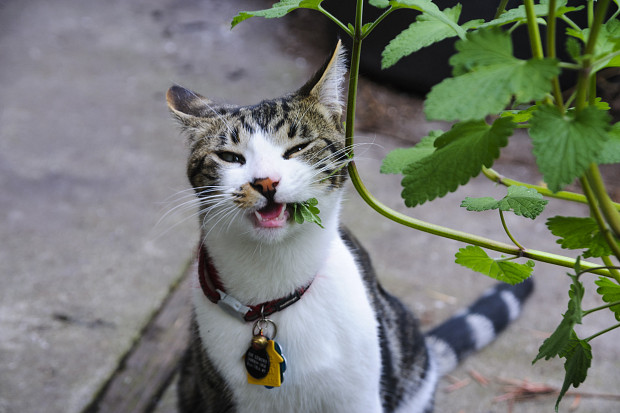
274, 215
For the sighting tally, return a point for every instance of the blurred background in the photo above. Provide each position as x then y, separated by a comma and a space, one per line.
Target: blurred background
95, 246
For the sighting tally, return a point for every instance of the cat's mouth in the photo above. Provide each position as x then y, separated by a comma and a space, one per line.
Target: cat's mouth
274, 215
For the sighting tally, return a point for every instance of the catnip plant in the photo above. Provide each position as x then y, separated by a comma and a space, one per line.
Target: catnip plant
491, 94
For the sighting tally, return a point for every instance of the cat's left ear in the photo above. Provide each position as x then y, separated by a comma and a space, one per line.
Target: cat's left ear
185, 104
326, 84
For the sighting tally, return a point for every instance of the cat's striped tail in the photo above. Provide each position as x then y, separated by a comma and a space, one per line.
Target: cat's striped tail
477, 325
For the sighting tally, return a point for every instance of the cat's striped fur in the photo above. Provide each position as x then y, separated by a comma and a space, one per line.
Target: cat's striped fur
350, 346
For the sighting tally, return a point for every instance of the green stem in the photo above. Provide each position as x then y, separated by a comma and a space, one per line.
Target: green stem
607, 330
585, 313
354, 77
500, 9
598, 217
335, 20
614, 271
611, 214
551, 53
444, 232
532, 30
501, 216
374, 24
565, 195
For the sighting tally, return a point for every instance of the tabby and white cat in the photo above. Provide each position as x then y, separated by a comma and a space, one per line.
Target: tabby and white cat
349, 346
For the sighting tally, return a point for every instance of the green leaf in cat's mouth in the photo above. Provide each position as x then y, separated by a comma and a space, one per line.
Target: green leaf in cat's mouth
307, 211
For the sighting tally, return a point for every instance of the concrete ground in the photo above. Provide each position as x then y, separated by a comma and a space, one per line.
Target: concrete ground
90, 163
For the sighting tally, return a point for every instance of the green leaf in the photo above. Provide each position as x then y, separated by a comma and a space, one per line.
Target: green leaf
520, 116
476, 259
480, 204
279, 9
559, 339
521, 200
610, 291
461, 152
519, 15
307, 212
428, 8
488, 78
382, 4
611, 150
578, 354
579, 233
566, 144
398, 159
607, 44
425, 31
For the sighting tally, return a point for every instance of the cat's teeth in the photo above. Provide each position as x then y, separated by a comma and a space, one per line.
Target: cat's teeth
270, 219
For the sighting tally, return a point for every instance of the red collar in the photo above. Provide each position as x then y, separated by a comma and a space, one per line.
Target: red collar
213, 289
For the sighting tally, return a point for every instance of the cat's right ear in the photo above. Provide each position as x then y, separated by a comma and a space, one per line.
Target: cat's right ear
186, 105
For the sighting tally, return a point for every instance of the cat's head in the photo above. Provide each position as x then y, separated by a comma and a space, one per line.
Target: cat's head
250, 164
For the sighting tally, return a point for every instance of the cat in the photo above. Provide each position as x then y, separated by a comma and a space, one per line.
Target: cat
346, 344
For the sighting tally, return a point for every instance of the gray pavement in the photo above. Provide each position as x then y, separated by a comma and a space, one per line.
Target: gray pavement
90, 162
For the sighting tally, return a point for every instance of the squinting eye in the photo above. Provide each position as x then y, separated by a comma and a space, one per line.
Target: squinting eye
295, 149
231, 157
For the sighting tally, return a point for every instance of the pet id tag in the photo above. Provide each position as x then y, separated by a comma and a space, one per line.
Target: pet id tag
264, 361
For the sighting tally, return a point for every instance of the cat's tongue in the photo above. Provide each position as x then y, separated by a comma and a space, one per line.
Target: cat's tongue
273, 215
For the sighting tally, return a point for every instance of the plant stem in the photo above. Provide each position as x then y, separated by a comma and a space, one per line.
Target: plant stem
614, 271
335, 20
607, 330
598, 217
565, 195
611, 214
374, 24
532, 30
501, 216
354, 78
592, 310
500, 9
551, 53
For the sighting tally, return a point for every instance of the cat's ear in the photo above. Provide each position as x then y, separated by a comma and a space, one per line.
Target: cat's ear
326, 84
186, 105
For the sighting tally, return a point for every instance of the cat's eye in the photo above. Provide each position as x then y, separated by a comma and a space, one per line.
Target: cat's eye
295, 149
231, 157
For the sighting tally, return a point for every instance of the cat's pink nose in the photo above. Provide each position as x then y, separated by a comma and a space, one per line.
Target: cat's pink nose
265, 186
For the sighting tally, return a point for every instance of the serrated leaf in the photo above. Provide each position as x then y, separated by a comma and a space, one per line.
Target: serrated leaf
488, 79
307, 212
476, 259
578, 356
428, 8
579, 233
610, 292
479, 204
461, 152
518, 14
521, 200
607, 44
520, 116
278, 9
556, 343
611, 150
425, 31
398, 159
566, 144
382, 4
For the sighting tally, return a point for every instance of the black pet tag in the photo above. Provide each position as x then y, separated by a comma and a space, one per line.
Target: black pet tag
256, 358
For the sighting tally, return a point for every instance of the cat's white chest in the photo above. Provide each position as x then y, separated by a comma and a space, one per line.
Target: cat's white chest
329, 339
